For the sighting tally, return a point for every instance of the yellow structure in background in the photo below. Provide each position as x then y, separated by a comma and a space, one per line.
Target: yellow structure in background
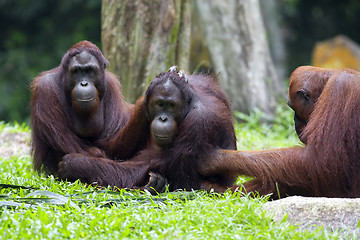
339, 52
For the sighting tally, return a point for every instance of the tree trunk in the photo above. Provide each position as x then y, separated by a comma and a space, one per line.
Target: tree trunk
275, 32
143, 38
235, 34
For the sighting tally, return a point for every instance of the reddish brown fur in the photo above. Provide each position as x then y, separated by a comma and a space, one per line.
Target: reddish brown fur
327, 166
52, 134
306, 84
102, 171
206, 125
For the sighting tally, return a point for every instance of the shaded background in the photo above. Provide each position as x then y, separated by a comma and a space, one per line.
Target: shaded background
35, 35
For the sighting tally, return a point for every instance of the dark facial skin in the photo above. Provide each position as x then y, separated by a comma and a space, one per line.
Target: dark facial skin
164, 109
303, 105
84, 81
305, 86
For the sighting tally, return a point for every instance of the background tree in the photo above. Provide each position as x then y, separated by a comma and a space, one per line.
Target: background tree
35, 35
143, 38
235, 34
275, 32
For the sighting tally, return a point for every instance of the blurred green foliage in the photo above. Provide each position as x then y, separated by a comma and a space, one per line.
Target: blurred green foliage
34, 36
258, 131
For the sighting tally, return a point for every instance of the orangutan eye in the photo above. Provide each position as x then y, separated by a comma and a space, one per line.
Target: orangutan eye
303, 94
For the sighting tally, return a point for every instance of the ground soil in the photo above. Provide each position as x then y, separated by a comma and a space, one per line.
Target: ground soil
14, 144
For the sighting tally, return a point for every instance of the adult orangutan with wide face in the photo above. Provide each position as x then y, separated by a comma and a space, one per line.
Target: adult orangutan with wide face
329, 163
74, 106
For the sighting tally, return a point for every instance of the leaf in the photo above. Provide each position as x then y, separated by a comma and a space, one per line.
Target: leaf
15, 186
14, 204
54, 198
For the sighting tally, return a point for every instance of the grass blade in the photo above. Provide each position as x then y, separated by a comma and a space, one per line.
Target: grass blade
54, 198
2, 185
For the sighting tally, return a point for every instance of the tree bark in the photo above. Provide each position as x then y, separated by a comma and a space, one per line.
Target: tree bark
275, 36
142, 38
235, 34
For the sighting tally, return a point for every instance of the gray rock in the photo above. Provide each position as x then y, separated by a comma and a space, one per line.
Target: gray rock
336, 214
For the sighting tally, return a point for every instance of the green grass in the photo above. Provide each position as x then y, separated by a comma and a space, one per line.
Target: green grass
257, 131
13, 128
52, 209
